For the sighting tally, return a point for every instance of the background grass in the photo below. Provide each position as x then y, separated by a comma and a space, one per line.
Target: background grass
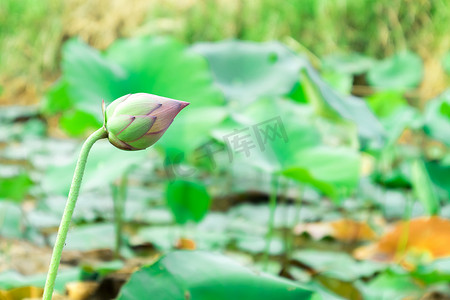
32, 32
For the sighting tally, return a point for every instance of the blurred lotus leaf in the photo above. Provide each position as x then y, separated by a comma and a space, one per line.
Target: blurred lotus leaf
203, 276
401, 71
159, 66
437, 120
15, 187
351, 63
247, 71
188, 200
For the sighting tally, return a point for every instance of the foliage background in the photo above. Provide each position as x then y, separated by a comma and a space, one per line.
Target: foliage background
362, 90
32, 32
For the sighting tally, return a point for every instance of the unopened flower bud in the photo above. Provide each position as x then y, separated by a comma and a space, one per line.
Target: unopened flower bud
137, 121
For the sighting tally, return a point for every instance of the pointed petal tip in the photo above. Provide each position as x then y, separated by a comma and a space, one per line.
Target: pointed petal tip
184, 104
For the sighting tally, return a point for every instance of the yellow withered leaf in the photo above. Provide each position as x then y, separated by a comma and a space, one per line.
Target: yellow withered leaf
424, 237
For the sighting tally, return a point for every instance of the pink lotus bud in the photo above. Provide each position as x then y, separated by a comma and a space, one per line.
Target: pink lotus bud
137, 121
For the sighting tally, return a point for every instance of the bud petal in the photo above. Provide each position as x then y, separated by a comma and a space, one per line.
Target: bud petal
137, 121
137, 104
119, 144
110, 109
145, 140
117, 124
137, 129
165, 115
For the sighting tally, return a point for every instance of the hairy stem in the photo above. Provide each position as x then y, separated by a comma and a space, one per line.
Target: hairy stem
68, 211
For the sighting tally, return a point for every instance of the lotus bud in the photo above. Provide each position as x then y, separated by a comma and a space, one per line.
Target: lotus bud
137, 121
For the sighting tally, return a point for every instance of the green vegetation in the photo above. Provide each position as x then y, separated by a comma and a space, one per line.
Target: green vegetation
311, 163
32, 32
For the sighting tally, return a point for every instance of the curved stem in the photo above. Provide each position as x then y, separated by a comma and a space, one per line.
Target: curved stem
68, 211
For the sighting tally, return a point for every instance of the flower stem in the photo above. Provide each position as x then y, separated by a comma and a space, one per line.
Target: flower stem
68, 211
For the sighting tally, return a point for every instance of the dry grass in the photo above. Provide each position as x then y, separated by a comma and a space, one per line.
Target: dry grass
101, 22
